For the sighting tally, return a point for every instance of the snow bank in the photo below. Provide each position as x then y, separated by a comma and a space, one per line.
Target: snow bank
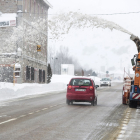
9, 91
59, 83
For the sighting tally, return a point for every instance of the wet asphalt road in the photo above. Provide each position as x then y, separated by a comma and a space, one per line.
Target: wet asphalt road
48, 117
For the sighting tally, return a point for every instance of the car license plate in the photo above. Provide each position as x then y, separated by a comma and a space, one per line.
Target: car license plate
79, 89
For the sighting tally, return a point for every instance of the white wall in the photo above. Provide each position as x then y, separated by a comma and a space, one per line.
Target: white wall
67, 69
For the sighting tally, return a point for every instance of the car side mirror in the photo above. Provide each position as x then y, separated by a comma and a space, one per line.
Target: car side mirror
67, 84
96, 86
132, 62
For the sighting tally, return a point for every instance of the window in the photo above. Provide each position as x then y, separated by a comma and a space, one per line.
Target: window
43, 75
27, 73
105, 79
40, 75
79, 82
32, 73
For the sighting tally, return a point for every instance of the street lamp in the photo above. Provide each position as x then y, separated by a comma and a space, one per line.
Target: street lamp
18, 52
19, 11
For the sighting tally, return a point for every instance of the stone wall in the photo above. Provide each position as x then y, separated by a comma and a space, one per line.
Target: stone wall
8, 6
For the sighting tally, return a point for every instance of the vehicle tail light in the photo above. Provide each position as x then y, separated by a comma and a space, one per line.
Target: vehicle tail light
91, 87
135, 89
69, 87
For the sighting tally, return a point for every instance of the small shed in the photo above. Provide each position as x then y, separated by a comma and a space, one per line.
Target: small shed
67, 69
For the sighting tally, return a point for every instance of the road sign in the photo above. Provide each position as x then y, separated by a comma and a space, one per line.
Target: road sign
38, 48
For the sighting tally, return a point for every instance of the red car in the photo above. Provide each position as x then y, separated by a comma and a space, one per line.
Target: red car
81, 90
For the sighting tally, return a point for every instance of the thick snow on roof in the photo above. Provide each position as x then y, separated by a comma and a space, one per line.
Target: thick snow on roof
10, 16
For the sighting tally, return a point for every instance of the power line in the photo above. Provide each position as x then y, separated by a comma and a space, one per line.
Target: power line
86, 14
119, 13
109, 14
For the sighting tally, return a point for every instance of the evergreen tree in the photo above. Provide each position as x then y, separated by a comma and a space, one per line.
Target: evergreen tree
49, 73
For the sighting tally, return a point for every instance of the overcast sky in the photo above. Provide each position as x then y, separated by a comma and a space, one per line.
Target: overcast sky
94, 48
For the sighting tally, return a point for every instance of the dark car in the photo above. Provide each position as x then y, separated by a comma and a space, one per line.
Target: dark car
81, 90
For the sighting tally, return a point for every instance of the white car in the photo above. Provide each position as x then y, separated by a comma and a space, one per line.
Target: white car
105, 82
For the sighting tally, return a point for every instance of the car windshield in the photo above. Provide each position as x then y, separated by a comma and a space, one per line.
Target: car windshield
78, 82
105, 79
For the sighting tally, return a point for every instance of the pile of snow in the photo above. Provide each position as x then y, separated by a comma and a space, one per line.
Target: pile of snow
10, 91
58, 84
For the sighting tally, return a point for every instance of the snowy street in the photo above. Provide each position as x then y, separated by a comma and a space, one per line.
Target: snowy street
48, 117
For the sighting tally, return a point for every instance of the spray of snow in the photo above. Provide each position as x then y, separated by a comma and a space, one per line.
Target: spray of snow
58, 25
62, 23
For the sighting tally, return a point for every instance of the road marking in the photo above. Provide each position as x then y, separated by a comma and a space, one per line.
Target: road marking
22, 116
44, 109
38, 111
31, 113
28, 114
8, 120
124, 126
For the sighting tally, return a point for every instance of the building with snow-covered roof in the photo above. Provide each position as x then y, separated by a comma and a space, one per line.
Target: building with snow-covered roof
24, 39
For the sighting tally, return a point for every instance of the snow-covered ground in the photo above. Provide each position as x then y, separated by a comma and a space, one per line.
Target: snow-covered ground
58, 83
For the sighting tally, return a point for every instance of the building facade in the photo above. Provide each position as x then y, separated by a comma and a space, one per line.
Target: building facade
24, 43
